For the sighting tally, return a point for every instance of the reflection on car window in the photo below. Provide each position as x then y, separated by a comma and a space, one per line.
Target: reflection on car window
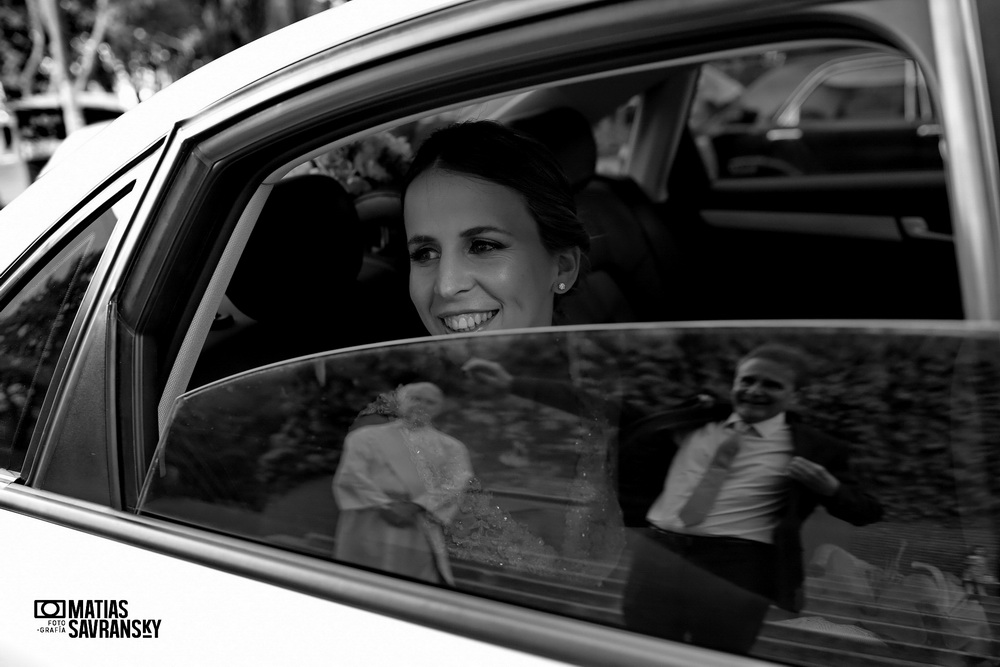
824, 110
612, 134
547, 472
33, 328
864, 94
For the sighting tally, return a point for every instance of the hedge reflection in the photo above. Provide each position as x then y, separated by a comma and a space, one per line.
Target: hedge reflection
920, 410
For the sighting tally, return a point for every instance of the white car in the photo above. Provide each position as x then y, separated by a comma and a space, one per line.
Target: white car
174, 396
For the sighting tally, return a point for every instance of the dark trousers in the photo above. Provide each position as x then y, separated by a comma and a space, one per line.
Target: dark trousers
709, 591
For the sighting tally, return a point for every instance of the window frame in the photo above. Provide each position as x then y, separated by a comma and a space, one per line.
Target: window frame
87, 329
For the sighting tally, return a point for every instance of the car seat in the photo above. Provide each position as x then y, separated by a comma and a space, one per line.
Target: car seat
296, 280
634, 267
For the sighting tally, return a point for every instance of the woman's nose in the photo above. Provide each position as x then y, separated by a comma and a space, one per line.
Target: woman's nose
453, 276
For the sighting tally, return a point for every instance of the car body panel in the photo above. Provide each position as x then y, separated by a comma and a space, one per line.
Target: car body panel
206, 621
269, 618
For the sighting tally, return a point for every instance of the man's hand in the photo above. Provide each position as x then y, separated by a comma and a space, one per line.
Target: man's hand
813, 475
400, 513
489, 373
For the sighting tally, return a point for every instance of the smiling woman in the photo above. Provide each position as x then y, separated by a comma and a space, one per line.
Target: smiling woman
492, 230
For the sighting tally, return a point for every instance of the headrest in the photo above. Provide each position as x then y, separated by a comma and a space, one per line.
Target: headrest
381, 213
569, 136
379, 206
307, 244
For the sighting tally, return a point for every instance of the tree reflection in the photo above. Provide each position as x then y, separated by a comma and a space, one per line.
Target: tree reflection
32, 332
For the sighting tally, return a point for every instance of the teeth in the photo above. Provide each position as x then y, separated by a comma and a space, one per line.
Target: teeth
467, 321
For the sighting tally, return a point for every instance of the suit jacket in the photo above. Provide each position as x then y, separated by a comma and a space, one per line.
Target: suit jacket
647, 445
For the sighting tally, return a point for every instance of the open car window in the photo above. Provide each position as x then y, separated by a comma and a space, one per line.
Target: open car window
537, 492
329, 237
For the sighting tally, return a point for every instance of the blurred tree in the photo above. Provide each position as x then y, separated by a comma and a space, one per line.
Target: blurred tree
160, 41
43, 42
140, 45
53, 21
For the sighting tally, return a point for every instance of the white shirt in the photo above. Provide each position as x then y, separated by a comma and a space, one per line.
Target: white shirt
753, 493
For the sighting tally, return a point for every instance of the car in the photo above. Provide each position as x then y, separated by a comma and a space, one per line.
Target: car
826, 110
174, 397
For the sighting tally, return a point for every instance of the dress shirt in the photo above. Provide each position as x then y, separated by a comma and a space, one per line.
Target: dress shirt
753, 492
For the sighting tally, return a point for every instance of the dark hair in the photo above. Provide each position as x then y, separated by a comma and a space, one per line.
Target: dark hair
492, 152
788, 356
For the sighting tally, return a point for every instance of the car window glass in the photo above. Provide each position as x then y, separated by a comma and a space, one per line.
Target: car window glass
537, 490
873, 93
812, 111
613, 137
34, 324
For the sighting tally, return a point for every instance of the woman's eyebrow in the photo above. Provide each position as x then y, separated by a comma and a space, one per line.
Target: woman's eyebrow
476, 231
419, 238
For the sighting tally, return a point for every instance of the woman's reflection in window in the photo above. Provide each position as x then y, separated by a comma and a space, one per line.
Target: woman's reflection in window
397, 486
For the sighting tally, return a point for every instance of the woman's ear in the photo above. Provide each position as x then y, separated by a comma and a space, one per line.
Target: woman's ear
567, 269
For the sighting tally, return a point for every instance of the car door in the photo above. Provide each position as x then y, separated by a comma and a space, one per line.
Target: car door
560, 462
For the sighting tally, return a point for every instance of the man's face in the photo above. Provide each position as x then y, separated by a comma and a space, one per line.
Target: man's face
762, 389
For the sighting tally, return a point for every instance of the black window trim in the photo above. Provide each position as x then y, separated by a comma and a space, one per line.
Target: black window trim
111, 191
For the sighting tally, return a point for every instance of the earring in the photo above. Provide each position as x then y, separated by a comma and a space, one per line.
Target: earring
561, 287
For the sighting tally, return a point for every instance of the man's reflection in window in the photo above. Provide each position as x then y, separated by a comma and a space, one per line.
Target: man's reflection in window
397, 486
723, 490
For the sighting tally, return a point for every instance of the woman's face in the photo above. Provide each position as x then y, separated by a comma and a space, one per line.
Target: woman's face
420, 404
476, 257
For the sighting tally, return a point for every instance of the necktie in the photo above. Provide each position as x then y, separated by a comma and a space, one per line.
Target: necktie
703, 497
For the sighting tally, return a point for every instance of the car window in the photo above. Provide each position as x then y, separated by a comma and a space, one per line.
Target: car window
540, 492
346, 211
869, 93
36, 320
613, 135
831, 110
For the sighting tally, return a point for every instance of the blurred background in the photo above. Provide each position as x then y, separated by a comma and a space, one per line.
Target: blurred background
65, 64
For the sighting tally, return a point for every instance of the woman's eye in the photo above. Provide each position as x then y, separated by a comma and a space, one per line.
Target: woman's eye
481, 246
421, 255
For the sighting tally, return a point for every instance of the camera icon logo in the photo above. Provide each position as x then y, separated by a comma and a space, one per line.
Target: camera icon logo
50, 609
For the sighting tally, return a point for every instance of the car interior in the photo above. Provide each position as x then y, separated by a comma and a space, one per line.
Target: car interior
669, 241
